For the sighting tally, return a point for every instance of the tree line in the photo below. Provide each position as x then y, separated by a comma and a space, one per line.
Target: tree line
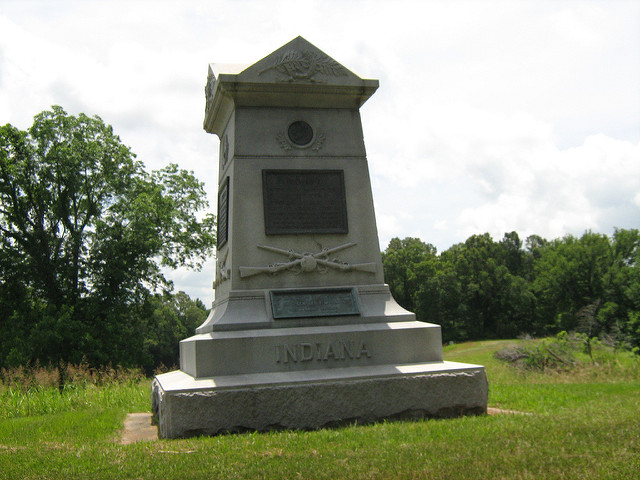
484, 289
85, 231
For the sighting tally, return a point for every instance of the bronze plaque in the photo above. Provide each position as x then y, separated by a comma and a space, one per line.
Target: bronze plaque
304, 201
223, 214
329, 302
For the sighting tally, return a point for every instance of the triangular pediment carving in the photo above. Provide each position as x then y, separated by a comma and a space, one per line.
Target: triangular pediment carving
298, 74
299, 62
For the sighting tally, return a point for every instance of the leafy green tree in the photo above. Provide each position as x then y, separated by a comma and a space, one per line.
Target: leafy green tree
487, 289
620, 312
170, 318
513, 256
570, 275
85, 232
401, 261
439, 299
473, 289
535, 244
491, 301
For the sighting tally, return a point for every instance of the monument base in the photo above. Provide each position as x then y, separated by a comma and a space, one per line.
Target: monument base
186, 406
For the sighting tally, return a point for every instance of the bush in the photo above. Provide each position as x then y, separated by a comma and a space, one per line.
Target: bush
564, 351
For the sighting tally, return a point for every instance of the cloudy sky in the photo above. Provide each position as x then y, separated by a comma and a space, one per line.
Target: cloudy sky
491, 116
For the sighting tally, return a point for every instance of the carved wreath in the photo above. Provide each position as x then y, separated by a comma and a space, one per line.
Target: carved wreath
297, 65
316, 145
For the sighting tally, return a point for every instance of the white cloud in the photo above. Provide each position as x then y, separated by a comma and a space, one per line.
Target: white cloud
197, 284
555, 191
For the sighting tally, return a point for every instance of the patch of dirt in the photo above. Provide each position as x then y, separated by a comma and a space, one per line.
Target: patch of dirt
7, 448
138, 428
500, 411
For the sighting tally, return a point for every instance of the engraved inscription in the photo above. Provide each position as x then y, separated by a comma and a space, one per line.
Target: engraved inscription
318, 303
321, 351
304, 201
223, 214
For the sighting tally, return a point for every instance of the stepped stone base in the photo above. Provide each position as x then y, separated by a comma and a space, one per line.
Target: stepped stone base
185, 406
264, 350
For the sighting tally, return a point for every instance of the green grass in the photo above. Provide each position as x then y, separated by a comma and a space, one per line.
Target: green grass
49, 400
583, 424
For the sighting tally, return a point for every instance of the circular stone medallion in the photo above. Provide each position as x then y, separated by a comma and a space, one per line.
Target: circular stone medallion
300, 133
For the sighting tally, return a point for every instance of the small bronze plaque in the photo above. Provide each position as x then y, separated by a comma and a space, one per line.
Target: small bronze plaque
304, 201
223, 213
327, 302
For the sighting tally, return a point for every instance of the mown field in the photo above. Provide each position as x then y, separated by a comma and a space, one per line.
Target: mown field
577, 422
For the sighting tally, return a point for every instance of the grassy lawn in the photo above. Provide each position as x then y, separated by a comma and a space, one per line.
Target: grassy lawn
582, 424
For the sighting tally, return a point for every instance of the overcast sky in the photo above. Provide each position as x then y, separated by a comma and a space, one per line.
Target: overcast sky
491, 116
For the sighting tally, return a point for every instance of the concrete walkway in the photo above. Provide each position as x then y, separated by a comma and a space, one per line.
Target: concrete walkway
138, 428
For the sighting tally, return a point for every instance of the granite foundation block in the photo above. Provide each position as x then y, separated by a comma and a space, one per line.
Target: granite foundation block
186, 406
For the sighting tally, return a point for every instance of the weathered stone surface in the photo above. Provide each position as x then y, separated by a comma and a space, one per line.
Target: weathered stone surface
251, 309
310, 348
303, 332
306, 400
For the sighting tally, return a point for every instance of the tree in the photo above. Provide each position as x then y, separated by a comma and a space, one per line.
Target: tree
170, 318
85, 232
486, 289
401, 263
477, 296
621, 310
513, 256
570, 275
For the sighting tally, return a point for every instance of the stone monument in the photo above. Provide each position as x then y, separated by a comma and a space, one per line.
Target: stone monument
303, 332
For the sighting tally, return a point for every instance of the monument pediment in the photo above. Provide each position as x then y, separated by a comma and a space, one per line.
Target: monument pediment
298, 74
299, 62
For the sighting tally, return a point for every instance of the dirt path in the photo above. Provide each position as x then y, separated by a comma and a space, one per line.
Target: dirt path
138, 428
500, 411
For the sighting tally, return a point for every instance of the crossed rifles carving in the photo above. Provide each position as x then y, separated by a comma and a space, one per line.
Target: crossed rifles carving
308, 262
